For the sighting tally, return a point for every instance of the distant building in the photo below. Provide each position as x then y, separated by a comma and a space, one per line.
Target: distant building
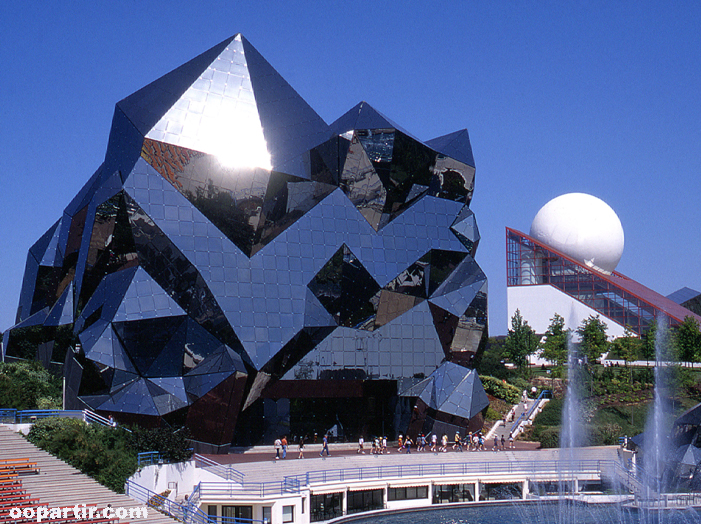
566, 265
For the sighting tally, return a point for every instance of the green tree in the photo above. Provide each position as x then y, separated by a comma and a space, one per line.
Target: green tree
521, 341
627, 347
554, 344
594, 342
687, 339
27, 384
491, 361
647, 345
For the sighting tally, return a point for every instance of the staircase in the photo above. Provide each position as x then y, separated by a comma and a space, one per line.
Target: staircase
60, 485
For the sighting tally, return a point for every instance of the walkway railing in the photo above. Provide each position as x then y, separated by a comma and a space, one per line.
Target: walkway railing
148, 458
225, 471
247, 489
526, 415
295, 483
444, 470
28, 416
188, 513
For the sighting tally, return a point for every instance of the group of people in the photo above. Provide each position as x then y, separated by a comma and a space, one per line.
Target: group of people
282, 444
379, 446
472, 442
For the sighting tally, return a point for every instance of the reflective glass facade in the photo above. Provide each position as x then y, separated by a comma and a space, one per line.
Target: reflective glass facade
615, 296
232, 238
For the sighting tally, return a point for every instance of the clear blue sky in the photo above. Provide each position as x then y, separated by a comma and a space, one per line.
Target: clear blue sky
595, 96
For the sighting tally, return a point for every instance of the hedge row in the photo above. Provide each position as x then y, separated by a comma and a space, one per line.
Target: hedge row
501, 389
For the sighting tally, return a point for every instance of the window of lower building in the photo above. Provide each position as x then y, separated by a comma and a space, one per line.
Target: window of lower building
407, 493
446, 493
505, 491
325, 507
237, 512
365, 500
288, 514
211, 510
267, 514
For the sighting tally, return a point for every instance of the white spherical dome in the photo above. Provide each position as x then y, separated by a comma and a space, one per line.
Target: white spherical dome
582, 227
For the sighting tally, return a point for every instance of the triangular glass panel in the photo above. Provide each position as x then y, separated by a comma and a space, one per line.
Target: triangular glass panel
149, 104
456, 145
146, 299
62, 311
345, 288
362, 185
290, 125
144, 340
465, 228
315, 315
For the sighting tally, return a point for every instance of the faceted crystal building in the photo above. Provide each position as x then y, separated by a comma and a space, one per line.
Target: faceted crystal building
237, 265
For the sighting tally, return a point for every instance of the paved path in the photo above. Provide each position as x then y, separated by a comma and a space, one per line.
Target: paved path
262, 467
501, 429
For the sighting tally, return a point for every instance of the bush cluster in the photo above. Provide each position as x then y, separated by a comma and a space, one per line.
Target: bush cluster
100, 452
501, 389
109, 455
28, 385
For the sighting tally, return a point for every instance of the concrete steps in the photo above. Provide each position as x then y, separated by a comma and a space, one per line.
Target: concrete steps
58, 484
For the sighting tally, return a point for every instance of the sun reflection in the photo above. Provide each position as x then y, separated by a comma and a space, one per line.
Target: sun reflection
235, 137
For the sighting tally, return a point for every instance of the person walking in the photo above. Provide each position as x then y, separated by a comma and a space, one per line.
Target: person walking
434, 441
384, 445
301, 448
495, 448
407, 445
284, 446
278, 445
511, 440
325, 447
361, 442
503, 442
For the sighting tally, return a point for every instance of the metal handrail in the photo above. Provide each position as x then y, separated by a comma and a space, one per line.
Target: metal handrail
225, 471
25, 416
462, 469
259, 489
294, 483
147, 458
527, 414
30, 415
188, 513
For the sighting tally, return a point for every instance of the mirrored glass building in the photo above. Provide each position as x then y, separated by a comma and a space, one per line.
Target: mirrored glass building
241, 267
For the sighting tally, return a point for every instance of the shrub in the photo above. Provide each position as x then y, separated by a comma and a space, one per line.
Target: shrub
551, 414
172, 445
549, 437
492, 414
27, 384
501, 389
520, 384
100, 452
605, 434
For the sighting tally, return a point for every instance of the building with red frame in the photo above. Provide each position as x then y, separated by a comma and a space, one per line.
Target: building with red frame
542, 281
